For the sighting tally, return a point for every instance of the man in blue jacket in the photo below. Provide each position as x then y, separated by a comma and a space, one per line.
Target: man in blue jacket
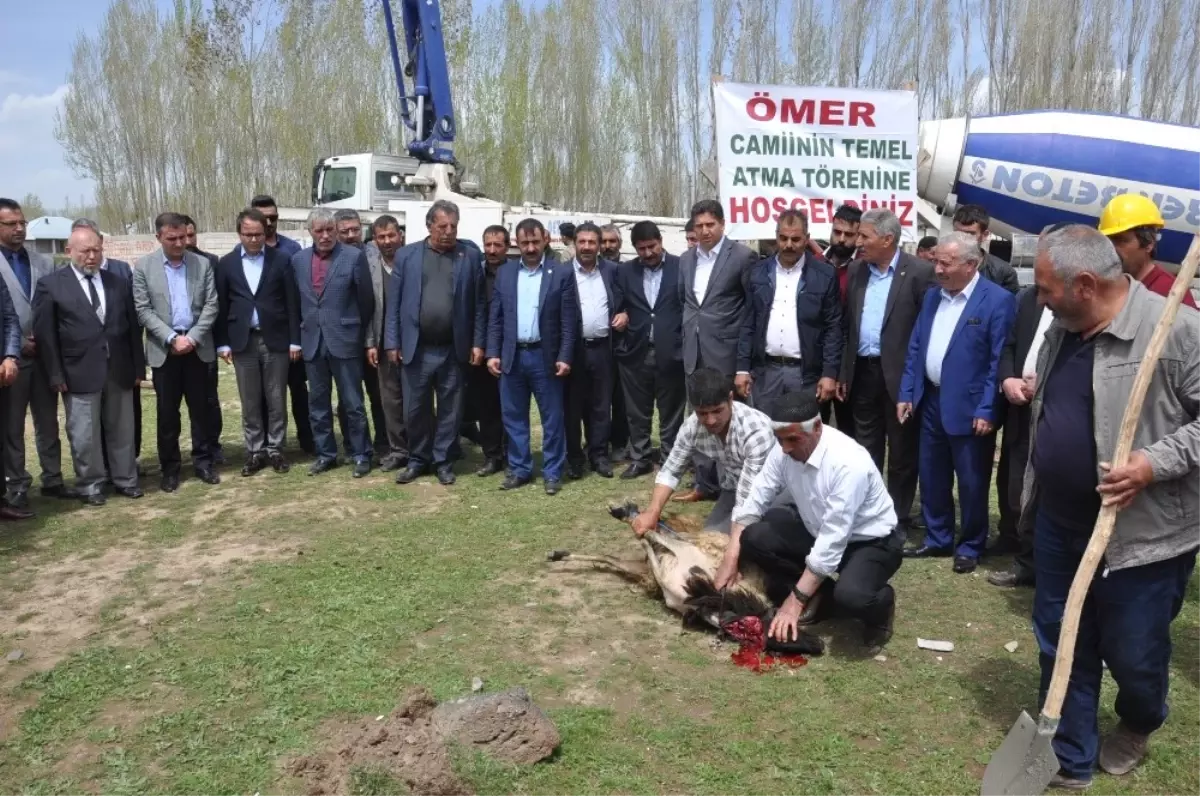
530, 348
950, 378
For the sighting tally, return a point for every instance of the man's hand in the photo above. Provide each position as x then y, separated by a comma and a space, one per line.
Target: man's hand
903, 411
28, 347
783, 626
727, 574
181, 345
373, 356
294, 354
137, 384
1119, 486
981, 427
620, 321
562, 369
644, 523
476, 357
59, 388
226, 356
1017, 391
826, 389
8, 372
394, 357
843, 389
494, 366
742, 383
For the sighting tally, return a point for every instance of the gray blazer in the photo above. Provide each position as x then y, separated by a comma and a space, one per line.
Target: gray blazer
152, 299
711, 329
39, 265
378, 277
341, 314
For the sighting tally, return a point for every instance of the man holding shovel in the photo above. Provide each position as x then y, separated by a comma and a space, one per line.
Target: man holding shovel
1103, 322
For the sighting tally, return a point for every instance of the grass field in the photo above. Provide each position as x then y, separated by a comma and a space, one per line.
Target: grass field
193, 642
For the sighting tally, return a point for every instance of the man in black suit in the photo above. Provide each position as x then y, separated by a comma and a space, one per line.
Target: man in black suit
791, 339
90, 345
258, 331
974, 220
647, 345
885, 288
589, 388
483, 389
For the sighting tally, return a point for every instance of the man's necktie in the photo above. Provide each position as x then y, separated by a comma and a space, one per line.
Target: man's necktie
91, 280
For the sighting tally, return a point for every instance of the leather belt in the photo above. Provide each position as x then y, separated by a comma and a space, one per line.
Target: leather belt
871, 360
594, 341
527, 346
787, 362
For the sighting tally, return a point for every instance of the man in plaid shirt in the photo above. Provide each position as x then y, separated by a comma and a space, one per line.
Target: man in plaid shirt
731, 433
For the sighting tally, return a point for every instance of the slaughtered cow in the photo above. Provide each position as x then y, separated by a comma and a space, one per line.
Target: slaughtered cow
679, 566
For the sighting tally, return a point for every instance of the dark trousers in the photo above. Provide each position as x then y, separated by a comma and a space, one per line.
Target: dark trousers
3, 433
529, 376
179, 379
877, 429
433, 370
323, 371
618, 437
843, 415
944, 459
589, 402
774, 380
779, 544
378, 431
298, 389
483, 398
646, 386
392, 396
1126, 623
1010, 481
215, 423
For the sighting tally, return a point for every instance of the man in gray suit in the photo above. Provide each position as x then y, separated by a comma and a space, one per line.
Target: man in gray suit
386, 239
21, 269
714, 278
337, 303
175, 294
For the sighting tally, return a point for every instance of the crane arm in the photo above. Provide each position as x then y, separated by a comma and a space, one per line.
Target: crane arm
429, 110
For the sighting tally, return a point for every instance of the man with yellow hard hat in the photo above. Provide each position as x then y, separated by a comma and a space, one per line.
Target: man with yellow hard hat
1131, 221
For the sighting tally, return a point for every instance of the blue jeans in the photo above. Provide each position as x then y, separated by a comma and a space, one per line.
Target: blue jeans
1126, 622
530, 377
323, 372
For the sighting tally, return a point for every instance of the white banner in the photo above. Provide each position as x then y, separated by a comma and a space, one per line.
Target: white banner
813, 149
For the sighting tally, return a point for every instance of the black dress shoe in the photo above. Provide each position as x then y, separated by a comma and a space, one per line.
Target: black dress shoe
445, 475
1010, 579
253, 465
553, 487
410, 473
18, 500
490, 467
208, 475
278, 463
59, 491
574, 471
218, 457
322, 466
515, 482
131, 492
169, 483
602, 468
94, 499
638, 469
362, 468
963, 564
14, 513
925, 551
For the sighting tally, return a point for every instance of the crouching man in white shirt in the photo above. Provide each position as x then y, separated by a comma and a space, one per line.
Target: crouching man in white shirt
847, 527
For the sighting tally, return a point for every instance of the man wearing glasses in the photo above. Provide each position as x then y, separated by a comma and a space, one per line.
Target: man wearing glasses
14, 336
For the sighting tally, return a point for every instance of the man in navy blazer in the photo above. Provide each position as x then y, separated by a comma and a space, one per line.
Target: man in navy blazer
336, 303
791, 337
530, 348
950, 378
433, 328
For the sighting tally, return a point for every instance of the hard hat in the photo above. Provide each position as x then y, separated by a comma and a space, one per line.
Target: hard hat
1127, 211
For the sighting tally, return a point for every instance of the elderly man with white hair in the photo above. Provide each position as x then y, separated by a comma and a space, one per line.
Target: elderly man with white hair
950, 381
1103, 322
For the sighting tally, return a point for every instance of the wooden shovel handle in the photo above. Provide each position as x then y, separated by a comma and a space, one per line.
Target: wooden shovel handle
1108, 514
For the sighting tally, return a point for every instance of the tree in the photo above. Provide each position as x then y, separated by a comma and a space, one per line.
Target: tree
32, 206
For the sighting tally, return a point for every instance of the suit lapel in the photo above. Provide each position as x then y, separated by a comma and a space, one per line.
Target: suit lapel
898, 277
972, 306
548, 270
14, 286
110, 299
718, 267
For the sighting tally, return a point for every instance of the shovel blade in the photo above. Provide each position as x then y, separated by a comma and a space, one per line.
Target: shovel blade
1025, 763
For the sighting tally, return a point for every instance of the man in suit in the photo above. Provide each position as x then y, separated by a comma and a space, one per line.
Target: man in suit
618, 429
90, 346
336, 305
530, 348
386, 241
216, 421
21, 268
843, 245
258, 331
483, 389
974, 220
434, 328
885, 289
950, 377
10, 355
590, 385
713, 282
175, 293
791, 338
648, 346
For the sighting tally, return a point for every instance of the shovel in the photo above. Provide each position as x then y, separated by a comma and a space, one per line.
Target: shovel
1025, 763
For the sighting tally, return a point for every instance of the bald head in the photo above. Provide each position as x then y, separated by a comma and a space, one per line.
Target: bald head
85, 249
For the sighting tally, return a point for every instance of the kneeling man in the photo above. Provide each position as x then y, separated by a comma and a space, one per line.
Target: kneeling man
847, 526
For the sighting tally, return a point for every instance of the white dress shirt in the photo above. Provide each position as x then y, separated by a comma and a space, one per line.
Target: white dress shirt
783, 332
949, 310
593, 301
705, 262
83, 285
838, 493
1029, 371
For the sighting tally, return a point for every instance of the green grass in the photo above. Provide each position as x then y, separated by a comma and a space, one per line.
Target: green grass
382, 588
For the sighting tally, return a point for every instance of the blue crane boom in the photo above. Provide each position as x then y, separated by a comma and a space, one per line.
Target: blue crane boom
428, 112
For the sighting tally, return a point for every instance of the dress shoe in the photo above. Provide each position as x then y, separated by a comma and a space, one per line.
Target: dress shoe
362, 468
514, 482
18, 500
392, 462
208, 475
574, 471
637, 469
131, 492
60, 491
875, 637
322, 466
490, 467
925, 551
169, 483
1122, 750
13, 513
445, 475
1061, 781
253, 464
602, 468
410, 473
553, 487
1009, 579
965, 564
94, 499
691, 496
278, 463
218, 458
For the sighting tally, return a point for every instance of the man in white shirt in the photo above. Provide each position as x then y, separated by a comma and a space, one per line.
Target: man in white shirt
846, 527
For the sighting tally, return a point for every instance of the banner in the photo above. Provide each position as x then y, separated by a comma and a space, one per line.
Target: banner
813, 149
